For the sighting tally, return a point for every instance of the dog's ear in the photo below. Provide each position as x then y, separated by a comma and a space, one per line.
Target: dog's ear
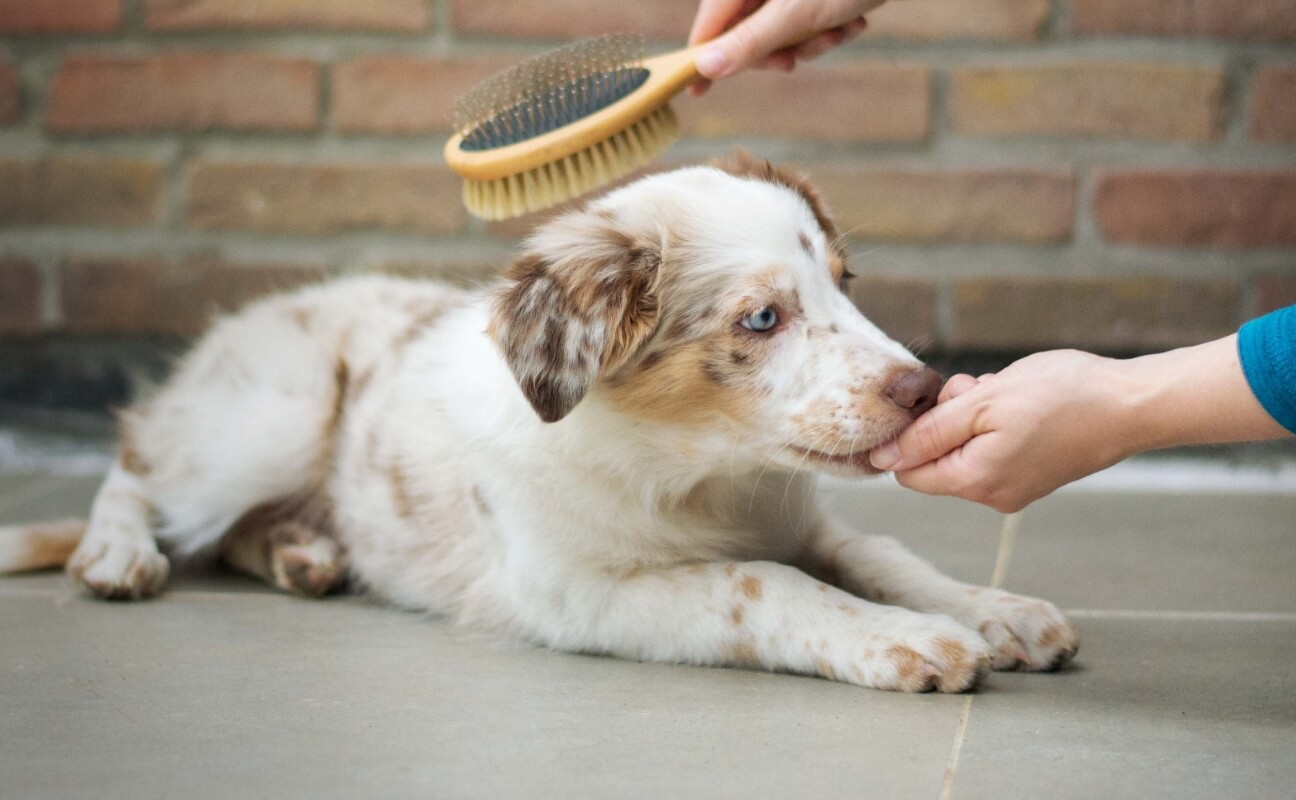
575, 307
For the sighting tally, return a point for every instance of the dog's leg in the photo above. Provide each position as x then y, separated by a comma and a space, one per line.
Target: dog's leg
755, 614
118, 557
1024, 632
296, 557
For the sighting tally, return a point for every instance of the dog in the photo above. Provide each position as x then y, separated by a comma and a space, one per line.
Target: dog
612, 451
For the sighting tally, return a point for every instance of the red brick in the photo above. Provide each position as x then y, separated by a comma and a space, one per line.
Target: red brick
1273, 104
73, 190
300, 198
1273, 292
10, 94
60, 16
899, 204
375, 15
1107, 314
904, 308
1266, 20
20, 297
1165, 102
667, 20
153, 297
994, 20
188, 92
405, 94
1198, 208
841, 102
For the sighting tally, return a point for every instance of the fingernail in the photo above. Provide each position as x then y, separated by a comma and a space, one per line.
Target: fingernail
711, 62
885, 456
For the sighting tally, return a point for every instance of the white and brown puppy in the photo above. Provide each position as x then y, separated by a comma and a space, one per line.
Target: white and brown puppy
612, 452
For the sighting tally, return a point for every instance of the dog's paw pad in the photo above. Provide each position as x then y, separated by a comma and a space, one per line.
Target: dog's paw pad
119, 570
313, 569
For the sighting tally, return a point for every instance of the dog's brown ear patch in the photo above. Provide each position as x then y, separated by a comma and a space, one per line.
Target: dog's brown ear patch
574, 308
742, 164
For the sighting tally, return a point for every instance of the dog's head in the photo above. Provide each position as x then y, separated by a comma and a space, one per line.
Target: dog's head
713, 299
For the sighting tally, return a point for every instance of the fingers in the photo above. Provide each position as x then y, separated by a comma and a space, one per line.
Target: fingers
712, 18
750, 41
939, 431
956, 386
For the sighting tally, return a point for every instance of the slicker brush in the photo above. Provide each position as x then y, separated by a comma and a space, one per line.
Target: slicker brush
565, 123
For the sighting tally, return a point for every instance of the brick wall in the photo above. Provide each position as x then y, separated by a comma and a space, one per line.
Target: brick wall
1111, 174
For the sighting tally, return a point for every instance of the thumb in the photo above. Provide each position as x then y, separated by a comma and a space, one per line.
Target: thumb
750, 41
943, 429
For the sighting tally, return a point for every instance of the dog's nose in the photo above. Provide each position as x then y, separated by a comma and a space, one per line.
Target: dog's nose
916, 390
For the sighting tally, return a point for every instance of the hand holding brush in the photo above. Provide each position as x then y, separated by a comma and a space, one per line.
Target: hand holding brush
567, 122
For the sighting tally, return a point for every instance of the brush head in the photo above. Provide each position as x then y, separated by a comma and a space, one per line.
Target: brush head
557, 126
549, 91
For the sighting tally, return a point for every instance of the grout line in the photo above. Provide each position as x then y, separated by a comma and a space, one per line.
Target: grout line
947, 783
1191, 616
1007, 540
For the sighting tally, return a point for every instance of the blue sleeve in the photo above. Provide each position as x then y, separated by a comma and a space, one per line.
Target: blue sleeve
1267, 348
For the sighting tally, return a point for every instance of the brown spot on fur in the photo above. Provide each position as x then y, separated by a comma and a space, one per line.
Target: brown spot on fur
736, 615
301, 316
1054, 636
849, 611
401, 496
687, 386
131, 460
423, 319
730, 569
744, 654
341, 380
805, 243
908, 663
824, 668
951, 652
696, 569
750, 586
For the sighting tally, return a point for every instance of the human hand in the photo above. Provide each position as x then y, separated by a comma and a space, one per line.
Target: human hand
759, 32
1008, 439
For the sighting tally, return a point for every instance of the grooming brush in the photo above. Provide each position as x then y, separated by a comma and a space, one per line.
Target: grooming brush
567, 122
564, 123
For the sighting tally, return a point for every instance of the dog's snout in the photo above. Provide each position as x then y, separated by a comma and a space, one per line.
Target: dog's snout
915, 390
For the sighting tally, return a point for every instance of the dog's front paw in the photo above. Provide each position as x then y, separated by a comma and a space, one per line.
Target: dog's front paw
1025, 633
927, 653
119, 570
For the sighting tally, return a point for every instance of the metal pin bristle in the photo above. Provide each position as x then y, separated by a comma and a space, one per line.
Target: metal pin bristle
549, 91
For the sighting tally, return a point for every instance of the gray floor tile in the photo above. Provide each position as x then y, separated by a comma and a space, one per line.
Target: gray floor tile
194, 696
1167, 552
48, 498
1155, 708
960, 538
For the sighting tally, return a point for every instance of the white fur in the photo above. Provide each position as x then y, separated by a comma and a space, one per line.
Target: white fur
605, 531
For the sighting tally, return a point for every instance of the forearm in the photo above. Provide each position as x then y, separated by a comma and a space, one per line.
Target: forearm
1194, 395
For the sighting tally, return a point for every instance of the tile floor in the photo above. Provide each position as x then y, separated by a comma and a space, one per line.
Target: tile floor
1185, 686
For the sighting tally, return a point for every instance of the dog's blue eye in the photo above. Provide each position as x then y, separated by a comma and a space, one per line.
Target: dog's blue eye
762, 320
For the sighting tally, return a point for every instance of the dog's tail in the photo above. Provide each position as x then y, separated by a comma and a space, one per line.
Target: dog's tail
39, 545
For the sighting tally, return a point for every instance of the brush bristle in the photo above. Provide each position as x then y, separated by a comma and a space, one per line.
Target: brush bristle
576, 174
549, 91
